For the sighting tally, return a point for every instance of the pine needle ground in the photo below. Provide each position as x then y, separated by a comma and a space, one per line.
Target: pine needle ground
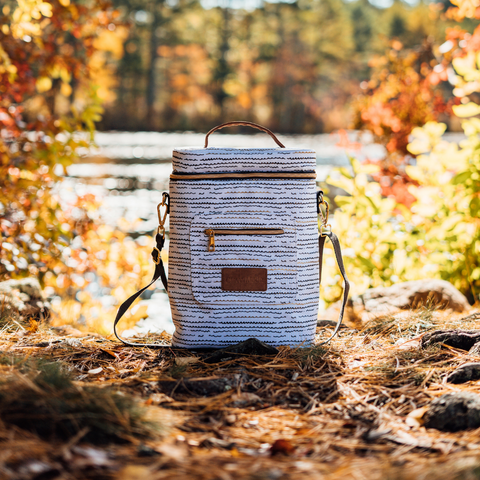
335, 412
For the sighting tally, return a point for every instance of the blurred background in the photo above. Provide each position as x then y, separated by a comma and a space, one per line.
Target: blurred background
293, 66
94, 95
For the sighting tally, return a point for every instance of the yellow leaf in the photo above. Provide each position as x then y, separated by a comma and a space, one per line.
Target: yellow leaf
469, 110
465, 66
105, 232
414, 173
418, 146
370, 168
435, 129
44, 84
66, 89
45, 9
64, 3
471, 127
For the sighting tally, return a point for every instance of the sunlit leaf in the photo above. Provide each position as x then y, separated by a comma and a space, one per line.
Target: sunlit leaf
44, 84
468, 110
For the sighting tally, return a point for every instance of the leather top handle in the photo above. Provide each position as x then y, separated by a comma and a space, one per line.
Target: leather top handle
247, 124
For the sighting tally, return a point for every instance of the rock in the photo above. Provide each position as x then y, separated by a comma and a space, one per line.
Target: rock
413, 294
462, 339
464, 373
199, 387
453, 412
398, 297
24, 299
252, 346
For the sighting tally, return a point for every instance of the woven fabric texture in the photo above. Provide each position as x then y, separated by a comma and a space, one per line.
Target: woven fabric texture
203, 313
212, 159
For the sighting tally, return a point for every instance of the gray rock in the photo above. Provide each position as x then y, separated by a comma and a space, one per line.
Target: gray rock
380, 301
23, 298
453, 412
462, 339
465, 373
412, 294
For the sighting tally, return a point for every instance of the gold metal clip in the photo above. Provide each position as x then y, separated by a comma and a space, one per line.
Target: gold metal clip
324, 229
162, 216
324, 217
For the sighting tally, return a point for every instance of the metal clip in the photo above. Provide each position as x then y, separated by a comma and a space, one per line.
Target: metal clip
324, 230
323, 217
322, 201
324, 227
162, 217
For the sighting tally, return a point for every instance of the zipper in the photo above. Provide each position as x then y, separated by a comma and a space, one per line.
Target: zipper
243, 175
210, 233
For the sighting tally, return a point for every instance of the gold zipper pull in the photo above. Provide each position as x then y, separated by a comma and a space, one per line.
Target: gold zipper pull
211, 239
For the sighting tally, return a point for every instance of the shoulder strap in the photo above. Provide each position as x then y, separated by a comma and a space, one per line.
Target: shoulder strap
158, 273
346, 287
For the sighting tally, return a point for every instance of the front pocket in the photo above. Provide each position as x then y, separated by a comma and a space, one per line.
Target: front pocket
255, 253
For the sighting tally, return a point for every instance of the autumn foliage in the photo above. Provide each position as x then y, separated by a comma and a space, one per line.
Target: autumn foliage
52, 57
401, 94
415, 214
43, 51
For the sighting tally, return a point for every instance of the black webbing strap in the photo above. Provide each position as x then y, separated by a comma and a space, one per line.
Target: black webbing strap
160, 273
346, 288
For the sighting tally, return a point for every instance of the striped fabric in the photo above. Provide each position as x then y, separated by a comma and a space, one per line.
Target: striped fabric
203, 313
211, 159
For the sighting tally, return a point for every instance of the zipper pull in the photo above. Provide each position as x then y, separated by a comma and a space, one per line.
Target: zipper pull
211, 239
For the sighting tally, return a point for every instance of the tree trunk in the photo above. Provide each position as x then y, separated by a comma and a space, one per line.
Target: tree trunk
150, 120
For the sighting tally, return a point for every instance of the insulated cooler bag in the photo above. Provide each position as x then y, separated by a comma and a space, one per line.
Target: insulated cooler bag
245, 252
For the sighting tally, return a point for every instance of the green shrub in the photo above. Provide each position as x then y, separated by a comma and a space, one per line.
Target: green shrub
438, 237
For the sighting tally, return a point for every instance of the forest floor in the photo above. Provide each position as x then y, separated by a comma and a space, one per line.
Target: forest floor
78, 406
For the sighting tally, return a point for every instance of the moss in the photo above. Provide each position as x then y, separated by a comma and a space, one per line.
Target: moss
42, 398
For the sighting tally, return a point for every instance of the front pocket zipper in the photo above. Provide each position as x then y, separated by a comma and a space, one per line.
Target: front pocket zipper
210, 232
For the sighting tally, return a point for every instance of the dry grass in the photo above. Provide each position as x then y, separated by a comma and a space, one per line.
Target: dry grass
336, 412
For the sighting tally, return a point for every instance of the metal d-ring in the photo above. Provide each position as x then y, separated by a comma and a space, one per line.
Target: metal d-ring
328, 229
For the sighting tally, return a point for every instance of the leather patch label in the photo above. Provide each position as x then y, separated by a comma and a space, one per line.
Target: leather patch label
244, 279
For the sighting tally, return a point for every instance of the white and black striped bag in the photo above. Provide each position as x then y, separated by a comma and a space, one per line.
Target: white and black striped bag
245, 252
